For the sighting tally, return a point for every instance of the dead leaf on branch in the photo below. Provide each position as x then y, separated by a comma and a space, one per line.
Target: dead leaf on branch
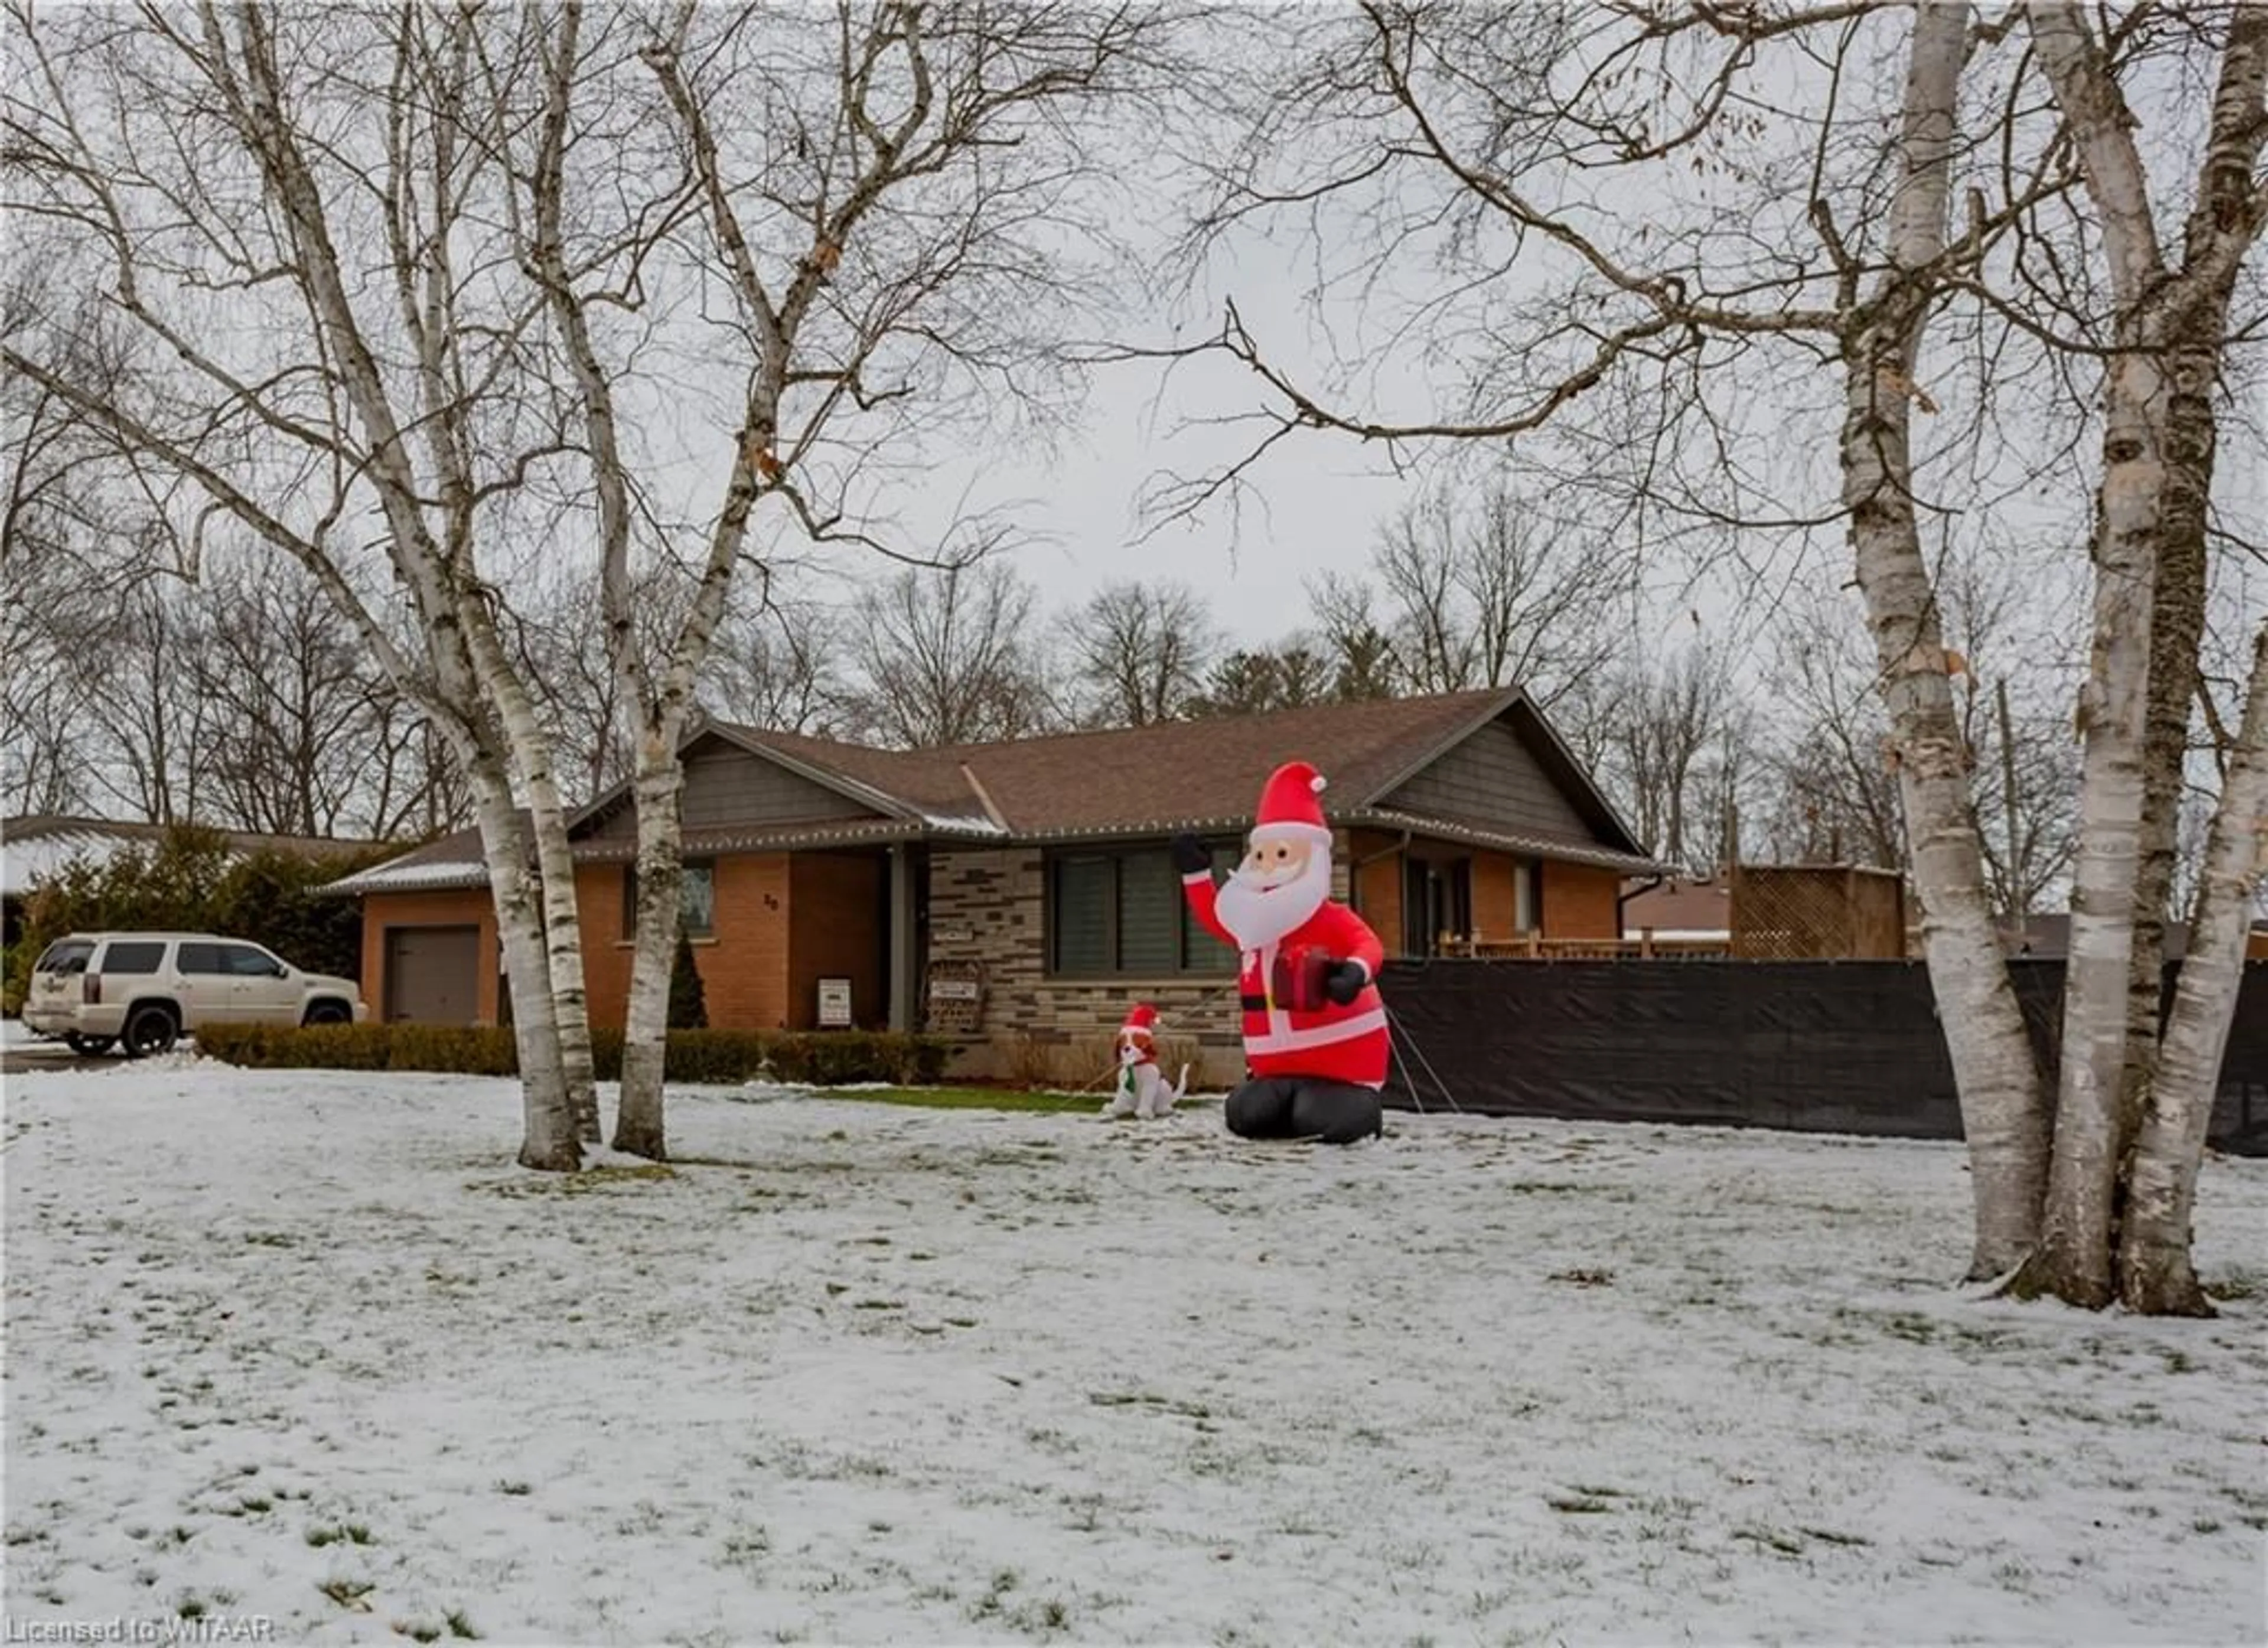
1899, 383
827, 254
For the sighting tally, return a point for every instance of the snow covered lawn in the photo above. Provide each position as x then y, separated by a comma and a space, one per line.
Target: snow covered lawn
306, 1346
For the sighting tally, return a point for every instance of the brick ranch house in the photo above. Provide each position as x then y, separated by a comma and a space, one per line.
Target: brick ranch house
1019, 896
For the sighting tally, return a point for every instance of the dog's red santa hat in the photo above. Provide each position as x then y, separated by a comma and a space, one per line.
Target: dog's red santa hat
1140, 1025
1292, 806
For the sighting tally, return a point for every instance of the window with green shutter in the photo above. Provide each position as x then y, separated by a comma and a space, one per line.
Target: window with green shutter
1124, 915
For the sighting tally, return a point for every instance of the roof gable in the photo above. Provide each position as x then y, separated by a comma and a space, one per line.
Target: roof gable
734, 775
1510, 767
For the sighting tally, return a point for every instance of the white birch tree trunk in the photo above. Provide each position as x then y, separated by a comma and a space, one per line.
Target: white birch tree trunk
2001, 1108
435, 582
2159, 447
548, 1140
531, 750
2074, 1257
2155, 1272
640, 1120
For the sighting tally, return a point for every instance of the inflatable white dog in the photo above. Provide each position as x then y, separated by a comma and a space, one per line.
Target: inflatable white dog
1142, 1091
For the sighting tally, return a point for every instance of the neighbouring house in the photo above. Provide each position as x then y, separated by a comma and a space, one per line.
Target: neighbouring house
1018, 895
1679, 910
34, 846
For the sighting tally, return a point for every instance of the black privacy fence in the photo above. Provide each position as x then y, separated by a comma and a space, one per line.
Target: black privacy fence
1830, 1047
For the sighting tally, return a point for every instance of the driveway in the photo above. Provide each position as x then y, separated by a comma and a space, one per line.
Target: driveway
20, 1056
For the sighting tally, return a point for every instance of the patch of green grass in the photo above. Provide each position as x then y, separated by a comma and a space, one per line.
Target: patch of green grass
339, 1533
515, 1489
969, 1098
461, 1627
348, 1594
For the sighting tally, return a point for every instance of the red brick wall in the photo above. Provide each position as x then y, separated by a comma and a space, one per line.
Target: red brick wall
743, 968
606, 954
1378, 886
744, 971
1495, 895
1578, 902
836, 923
465, 907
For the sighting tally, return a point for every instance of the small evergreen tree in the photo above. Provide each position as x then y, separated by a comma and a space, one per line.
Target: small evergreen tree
688, 1003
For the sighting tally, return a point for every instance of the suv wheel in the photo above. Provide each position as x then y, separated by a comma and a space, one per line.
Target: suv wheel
88, 1046
326, 1014
150, 1030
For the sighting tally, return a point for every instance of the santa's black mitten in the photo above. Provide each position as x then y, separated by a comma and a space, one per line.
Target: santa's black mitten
1345, 981
1190, 855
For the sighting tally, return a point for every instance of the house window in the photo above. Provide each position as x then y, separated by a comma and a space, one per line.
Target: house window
1437, 900
1124, 915
1526, 894
696, 899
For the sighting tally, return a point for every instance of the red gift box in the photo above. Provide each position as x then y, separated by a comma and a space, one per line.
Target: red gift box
1300, 979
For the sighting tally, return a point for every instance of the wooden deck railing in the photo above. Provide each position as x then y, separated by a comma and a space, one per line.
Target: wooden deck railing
1535, 947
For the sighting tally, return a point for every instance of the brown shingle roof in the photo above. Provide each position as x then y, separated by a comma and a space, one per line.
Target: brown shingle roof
1131, 781
1679, 906
1141, 779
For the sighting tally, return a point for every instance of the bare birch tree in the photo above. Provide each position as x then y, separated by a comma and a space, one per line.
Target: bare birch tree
229, 208
884, 199
1630, 339
1632, 348
2119, 1111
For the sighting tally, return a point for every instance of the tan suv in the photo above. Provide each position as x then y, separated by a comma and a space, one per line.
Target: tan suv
144, 991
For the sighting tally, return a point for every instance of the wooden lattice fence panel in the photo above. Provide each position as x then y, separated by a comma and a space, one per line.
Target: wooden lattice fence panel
1816, 912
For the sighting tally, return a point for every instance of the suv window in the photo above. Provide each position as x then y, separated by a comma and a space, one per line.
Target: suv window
246, 963
65, 955
132, 958
201, 958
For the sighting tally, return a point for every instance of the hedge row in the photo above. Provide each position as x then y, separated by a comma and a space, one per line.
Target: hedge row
191, 880
694, 1056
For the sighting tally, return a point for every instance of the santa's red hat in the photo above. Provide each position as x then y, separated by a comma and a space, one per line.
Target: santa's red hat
1141, 1021
1291, 807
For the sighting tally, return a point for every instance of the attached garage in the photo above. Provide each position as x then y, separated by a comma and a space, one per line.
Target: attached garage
433, 975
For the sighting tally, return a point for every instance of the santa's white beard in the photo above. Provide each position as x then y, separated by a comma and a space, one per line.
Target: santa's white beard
1259, 915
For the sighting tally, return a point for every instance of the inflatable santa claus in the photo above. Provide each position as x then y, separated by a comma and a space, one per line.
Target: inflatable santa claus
1314, 1028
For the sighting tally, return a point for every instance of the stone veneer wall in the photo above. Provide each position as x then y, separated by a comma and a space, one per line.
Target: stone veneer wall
988, 905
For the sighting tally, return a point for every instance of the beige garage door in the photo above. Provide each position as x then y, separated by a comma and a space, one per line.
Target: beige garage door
433, 975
